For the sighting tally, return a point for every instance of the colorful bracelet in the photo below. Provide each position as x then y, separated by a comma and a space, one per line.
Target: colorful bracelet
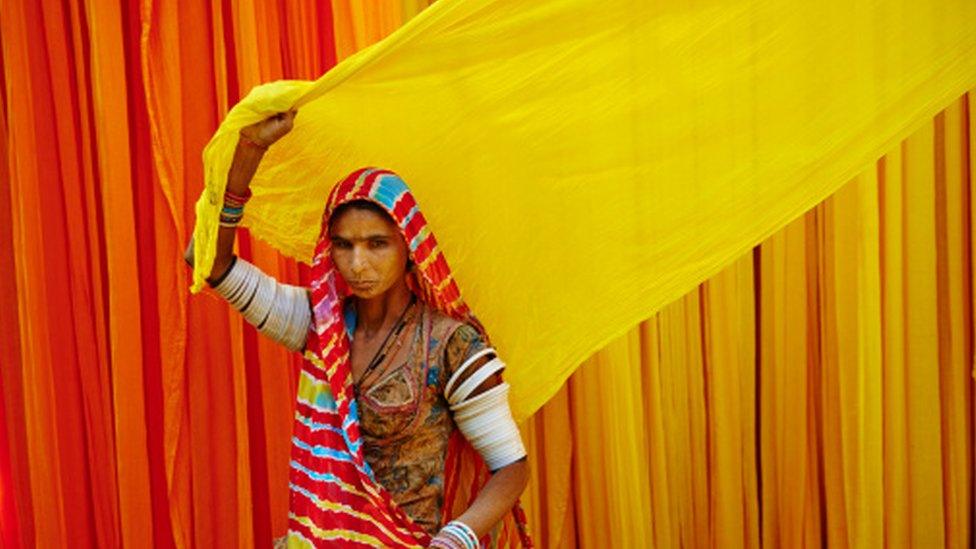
231, 217
236, 199
233, 210
460, 534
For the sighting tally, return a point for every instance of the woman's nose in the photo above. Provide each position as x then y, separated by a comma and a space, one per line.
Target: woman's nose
358, 263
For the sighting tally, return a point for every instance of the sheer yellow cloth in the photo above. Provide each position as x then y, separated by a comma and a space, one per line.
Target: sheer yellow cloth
585, 162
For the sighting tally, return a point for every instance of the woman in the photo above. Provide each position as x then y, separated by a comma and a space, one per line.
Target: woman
397, 368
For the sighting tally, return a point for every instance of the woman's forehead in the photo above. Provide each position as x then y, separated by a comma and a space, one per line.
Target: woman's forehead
361, 223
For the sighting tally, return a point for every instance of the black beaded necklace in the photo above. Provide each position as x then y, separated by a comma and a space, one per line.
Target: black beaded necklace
381, 350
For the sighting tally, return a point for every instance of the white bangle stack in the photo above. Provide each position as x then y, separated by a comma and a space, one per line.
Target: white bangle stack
485, 419
279, 311
455, 535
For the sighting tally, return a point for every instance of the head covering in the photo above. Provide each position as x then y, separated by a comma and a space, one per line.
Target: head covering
334, 499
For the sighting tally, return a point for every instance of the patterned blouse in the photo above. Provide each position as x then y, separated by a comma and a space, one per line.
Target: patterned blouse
404, 419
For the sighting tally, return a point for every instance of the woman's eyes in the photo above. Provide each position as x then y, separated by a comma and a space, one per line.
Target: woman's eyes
372, 244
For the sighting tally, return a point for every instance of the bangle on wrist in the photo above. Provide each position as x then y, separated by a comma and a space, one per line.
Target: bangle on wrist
456, 535
237, 200
216, 282
233, 210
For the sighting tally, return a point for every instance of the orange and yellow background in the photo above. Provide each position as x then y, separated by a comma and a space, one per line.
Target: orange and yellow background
817, 391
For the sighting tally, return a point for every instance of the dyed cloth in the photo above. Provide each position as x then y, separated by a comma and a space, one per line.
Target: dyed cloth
337, 498
594, 160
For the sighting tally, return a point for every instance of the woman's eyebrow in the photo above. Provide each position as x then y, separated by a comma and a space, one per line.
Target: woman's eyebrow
336, 238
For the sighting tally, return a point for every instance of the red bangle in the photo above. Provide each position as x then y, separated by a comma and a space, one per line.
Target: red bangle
237, 199
252, 143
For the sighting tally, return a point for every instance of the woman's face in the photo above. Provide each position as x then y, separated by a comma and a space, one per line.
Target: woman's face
368, 251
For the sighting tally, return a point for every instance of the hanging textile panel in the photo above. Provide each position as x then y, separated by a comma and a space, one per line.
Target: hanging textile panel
588, 162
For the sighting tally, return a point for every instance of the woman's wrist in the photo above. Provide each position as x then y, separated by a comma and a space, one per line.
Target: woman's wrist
242, 169
455, 535
234, 202
250, 150
252, 143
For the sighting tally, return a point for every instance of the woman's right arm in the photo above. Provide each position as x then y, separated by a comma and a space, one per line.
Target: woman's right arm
255, 139
279, 311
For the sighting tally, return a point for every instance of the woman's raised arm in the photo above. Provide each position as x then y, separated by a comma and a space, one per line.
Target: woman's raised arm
254, 141
279, 311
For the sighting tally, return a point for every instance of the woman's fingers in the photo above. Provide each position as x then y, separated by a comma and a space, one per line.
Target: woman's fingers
271, 128
287, 115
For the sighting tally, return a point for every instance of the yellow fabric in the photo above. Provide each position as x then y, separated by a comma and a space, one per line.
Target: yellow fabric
86, 466
775, 405
586, 162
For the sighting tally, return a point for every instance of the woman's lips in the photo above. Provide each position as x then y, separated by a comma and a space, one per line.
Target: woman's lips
361, 285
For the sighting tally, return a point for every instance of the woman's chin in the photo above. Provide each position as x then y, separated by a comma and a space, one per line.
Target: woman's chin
365, 292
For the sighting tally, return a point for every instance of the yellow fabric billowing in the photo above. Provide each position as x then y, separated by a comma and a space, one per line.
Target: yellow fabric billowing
585, 162
815, 393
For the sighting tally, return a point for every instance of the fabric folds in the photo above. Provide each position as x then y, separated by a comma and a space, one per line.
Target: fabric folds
585, 162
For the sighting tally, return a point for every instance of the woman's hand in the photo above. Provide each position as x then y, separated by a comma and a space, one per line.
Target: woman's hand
247, 156
271, 129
